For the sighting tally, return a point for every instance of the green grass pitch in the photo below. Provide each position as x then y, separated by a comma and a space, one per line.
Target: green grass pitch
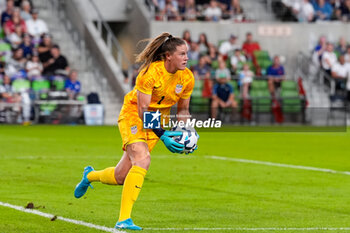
42, 164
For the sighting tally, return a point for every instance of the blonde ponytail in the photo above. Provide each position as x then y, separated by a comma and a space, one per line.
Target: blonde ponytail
156, 49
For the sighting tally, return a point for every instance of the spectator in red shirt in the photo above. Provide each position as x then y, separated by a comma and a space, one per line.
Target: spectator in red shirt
249, 46
10, 25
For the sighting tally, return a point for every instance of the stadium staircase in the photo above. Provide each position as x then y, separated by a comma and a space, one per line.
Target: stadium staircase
80, 58
258, 10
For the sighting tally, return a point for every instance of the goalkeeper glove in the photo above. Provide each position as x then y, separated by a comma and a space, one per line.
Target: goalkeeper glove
169, 142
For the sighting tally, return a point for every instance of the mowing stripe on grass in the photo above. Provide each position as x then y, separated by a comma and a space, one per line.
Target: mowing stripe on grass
278, 165
50, 216
107, 229
254, 229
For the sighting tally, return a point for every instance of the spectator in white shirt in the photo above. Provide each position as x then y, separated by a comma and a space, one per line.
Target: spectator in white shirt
329, 58
36, 26
34, 67
228, 47
340, 72
236, 60
213, 12
304, 11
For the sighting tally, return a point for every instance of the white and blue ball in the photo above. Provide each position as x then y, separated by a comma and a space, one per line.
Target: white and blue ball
189, 138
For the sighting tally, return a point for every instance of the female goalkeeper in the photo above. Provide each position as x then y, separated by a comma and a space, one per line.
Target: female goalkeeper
162, 82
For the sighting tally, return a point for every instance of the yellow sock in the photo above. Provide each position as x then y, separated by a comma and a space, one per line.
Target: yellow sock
132, 187
106, 176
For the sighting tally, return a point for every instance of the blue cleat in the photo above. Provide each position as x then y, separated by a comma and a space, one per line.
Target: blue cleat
84, 184
127, 224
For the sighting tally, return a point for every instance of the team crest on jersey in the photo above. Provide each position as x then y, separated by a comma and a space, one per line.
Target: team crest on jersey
134, 129
178, 88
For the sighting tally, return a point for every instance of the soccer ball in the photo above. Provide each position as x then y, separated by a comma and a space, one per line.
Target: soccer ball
189, 138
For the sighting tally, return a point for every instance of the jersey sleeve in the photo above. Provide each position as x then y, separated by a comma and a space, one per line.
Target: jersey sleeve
189, 87
145, 82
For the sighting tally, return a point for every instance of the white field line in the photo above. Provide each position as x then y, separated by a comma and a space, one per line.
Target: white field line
107, 229
254, 229
278, 165
50, 216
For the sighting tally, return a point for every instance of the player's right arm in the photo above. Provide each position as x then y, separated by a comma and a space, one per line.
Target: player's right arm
144, 94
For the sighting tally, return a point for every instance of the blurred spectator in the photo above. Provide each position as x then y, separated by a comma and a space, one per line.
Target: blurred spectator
341, 47
6, 89
44, 48
304, 11
170, 12
347, 55
222, 71
190, 13
318, 51
15, 38
223, 96
25, 12
340, 72
275, 75
245, 78
15, 20
236, 59
27, 46
329, 58
57, 62
34, 67
249, 46
225, 6
16, 62
2, 68
8, 95
72, 85
227, 48
236, 10
7, 14
193, 52
345, 11
323, 10
202, 72
36, 27
203, 44
213, 55
18, 3
213, 12
186, 36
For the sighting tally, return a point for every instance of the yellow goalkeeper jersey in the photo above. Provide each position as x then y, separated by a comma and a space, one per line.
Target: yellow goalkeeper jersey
166, 89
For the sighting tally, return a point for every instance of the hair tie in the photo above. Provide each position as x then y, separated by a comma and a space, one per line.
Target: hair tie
170, 36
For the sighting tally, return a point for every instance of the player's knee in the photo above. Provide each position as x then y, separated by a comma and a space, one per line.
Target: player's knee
139, 154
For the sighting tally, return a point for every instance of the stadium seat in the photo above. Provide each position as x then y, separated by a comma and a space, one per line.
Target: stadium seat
289, 85
20, 85
5, 48
40, 86
198, 103
259, 85
261, 55
58, 83
291, 103
261, 101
